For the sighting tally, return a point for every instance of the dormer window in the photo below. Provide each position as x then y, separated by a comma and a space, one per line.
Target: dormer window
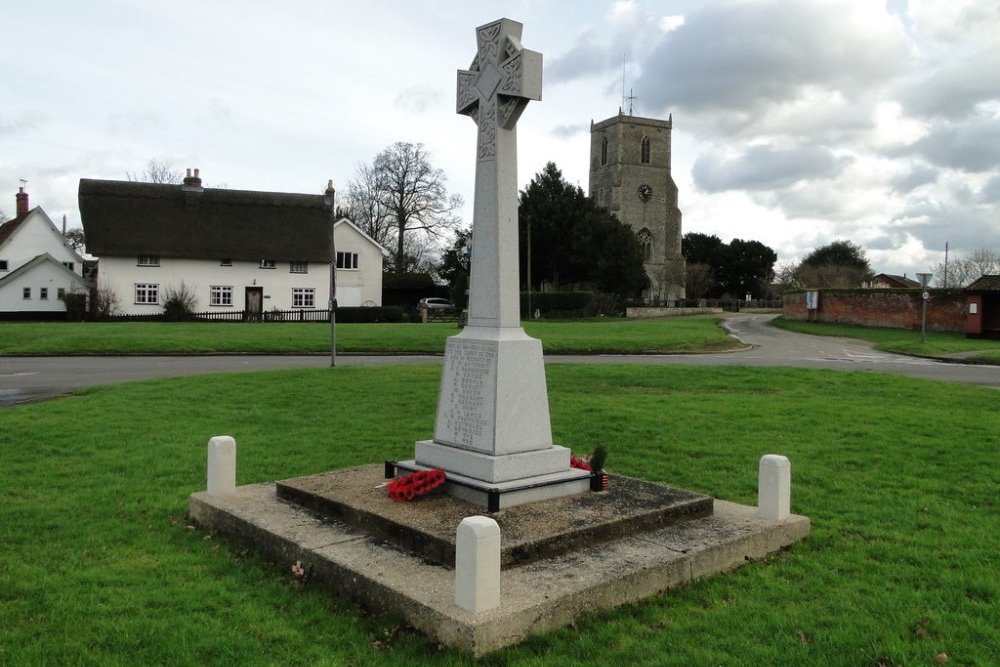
644, 150
298, 267
226, 261
3, 265
149, 260
268, 264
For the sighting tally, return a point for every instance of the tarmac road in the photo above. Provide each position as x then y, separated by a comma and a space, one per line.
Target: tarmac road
24, 379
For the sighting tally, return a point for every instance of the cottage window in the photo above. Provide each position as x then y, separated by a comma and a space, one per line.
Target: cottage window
43, 293
61, 293
3, 265
347, 260
644, 150
147, 294
26, 293
226, 261
149, 260
268, 264
221, 295
69, 265
298, 267
303, 297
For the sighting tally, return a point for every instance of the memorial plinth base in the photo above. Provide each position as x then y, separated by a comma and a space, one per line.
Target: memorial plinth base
495, 496
583, 554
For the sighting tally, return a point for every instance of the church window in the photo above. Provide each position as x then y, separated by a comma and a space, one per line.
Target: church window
646, 241
644, 150
604, 150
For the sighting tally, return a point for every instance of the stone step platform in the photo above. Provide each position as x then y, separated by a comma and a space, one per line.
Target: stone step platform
426, 526
541, 596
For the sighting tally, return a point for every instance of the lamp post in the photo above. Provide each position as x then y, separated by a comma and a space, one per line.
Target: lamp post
925, 279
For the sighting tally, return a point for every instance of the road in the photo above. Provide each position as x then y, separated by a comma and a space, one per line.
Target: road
24, 379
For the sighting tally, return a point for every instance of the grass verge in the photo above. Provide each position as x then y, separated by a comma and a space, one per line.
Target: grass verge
899, 476
904, 341
596, 336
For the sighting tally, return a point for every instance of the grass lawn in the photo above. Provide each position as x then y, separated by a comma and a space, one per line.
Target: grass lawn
98, 564
904, 341
666, 335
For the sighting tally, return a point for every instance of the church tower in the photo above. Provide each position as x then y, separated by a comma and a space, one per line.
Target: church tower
630, 176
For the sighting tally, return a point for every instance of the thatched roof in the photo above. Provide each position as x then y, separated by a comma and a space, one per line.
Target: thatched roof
126, 218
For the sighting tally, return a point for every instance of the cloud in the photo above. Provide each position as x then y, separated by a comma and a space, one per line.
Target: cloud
567, 131
587, 57
990, 193
972, 146
764, 167
919, 174
735, 57
30, 119
954, 88
418, 99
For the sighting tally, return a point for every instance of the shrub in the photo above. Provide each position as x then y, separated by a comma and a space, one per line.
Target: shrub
179, 303
367, 314
557, 304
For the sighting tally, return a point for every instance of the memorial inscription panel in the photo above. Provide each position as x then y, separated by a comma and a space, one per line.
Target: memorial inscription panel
466, 414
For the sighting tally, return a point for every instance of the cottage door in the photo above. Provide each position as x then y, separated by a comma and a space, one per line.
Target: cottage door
254, 304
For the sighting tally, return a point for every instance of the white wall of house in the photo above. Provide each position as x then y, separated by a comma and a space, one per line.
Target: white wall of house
34, 236
143, 289
38, 289
363, 285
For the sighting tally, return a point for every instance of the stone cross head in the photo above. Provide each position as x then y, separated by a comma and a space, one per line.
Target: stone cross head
503, 78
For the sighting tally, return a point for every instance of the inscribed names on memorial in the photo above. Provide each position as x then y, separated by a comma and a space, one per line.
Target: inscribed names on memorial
470, 375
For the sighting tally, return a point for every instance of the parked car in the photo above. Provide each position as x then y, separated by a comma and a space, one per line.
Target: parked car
434, 303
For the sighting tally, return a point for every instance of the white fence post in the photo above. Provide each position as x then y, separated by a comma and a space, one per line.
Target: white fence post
774, 487
222, 466
477, 564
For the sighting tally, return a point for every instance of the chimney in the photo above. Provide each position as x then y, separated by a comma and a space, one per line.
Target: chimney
192, 181
22, 202
329, 194
64, 224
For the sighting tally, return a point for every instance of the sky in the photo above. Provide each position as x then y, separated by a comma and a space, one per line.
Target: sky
796, 122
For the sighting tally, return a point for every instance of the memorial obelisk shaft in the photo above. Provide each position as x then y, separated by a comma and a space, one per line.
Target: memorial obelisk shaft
493, 415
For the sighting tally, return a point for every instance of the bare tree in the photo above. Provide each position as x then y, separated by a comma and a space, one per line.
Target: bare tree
400, 197
963, 270
76, 238
158, 170
365, 203
3, 216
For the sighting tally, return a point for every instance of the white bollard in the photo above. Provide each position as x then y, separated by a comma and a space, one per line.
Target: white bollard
774, 487
222, 466
477, 564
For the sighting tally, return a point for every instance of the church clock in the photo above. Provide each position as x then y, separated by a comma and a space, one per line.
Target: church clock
645, 192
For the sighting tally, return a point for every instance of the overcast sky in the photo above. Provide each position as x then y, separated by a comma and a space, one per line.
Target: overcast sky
796, 122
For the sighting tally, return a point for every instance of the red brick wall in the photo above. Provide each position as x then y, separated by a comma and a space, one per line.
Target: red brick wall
892, 308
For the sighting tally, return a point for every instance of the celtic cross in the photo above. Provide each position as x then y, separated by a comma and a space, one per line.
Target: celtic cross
494, 91
503, 77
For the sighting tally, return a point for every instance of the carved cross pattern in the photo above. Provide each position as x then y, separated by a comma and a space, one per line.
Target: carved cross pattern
503, 78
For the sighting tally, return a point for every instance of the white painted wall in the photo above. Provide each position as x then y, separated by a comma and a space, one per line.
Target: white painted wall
34, 236
354, 286
44, 275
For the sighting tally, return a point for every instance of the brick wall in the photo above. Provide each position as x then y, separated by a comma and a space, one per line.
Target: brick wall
892, 308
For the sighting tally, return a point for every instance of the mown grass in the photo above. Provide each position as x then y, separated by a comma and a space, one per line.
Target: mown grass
679, 334
99, 566
904, 341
